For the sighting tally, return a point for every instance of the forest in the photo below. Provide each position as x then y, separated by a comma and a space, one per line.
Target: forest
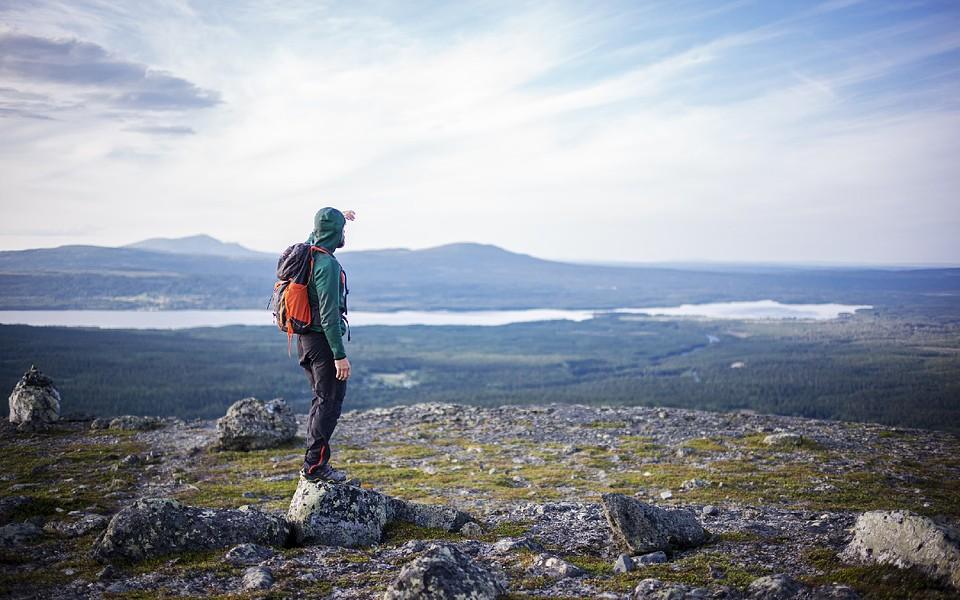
876, 366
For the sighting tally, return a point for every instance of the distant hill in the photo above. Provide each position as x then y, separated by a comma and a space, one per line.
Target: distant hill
455, 277
196, 244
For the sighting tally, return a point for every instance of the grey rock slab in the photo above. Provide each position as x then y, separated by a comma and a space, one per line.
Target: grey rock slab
337, 515
34, 401
257, 578
135, 423
427, 515
158, 526
445, 573
639, 527
82, 526
248, 555
252, 424
906, 539
624, 564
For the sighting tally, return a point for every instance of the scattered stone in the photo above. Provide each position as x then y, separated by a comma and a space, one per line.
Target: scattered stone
666, 495
251, 424
775, 587
624, 564
157, 526
694, 484
19, 534
783, 440
337, 514
257, 578
548, 565
443, 573
471, 529
906, 539
651, 558
427, 515
710, 511
100, 423
34, 401
136, 423
245, 555
639, 527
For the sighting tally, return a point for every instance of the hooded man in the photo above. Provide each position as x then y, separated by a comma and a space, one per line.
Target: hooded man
321, 351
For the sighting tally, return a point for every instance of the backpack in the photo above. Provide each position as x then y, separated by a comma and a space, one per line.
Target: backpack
291, 299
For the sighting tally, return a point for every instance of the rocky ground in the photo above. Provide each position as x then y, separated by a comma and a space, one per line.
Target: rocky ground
533, 477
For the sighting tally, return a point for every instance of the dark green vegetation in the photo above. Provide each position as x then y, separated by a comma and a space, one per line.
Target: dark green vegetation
875, 368
458, 276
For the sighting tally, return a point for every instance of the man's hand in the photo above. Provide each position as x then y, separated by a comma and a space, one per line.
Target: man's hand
349, 215
343, 368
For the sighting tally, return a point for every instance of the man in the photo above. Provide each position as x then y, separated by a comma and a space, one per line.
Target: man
321, 352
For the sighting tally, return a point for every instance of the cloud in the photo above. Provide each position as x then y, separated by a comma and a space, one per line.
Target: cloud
92, 76
554, 129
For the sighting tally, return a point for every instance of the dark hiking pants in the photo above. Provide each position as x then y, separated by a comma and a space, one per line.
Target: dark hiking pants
316, 358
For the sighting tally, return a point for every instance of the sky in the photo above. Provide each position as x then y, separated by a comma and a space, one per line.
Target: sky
747, 131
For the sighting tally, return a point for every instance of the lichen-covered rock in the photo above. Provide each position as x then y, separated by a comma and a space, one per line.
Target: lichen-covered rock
34, 402
248, 555
906, 539
783, 440
445, 573
257, 578
337, 514
775, 587
427, 515
18, 534
548, 565
157, 526
251, 424
654, 589
639, 527
135, 423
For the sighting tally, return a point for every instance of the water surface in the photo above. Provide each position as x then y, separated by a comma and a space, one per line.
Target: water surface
184, 319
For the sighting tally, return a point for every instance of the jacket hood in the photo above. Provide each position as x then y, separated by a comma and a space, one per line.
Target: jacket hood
327, 229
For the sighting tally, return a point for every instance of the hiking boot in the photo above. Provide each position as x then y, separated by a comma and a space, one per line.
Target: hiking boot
324, 473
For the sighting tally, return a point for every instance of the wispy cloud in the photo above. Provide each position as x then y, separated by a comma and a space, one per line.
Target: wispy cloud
663, 130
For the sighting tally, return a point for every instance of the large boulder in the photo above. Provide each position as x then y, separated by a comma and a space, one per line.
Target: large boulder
445, 573
639, 527
157, 526
251, 424
906, 539
337, 514
34, 402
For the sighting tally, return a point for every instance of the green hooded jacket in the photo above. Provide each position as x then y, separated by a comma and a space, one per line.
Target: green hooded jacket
327, 291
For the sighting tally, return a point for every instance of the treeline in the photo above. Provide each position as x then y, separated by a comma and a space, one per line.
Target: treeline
862, 369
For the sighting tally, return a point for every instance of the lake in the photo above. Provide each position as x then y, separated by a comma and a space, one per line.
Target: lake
184, 319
